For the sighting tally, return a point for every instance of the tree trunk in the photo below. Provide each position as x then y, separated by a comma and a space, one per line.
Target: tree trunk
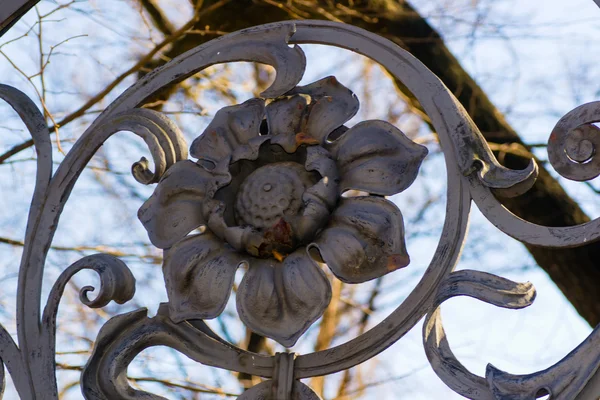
574, 271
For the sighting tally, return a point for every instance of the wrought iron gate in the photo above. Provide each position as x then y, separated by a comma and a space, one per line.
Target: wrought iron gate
282, 216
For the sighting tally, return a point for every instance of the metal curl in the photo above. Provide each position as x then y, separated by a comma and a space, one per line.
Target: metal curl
576, 376
117, 284
123, 337
268, 44
164, 139
36, 125
483, 286
574, 143
167, 146
572, 150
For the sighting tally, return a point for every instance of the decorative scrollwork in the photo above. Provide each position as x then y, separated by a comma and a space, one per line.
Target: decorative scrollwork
272, 201
565, 380
274, 196
125, 336
482, 286
572, 151
574, 143
116, 283
163, 139
32, 362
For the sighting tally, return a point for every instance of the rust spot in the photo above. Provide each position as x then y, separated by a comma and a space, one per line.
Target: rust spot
332, 80
280, 233
278, 256
278, 241
303, 138
397, 261
300, 106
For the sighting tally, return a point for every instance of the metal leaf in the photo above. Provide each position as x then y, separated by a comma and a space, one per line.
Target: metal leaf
284, 117
364, 239
332, 105
230, 130
199, 273
376, 157
175, 207
281, 300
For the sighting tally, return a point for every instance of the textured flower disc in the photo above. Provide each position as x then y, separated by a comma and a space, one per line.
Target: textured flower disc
271, 192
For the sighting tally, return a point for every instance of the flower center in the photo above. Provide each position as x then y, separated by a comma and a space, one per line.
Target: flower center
270, 193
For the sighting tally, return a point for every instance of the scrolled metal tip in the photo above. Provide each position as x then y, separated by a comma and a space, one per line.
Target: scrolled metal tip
142, 173
83, 295
525, 180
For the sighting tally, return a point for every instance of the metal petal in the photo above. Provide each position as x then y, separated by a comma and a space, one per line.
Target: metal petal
199, 273
231, 128
327, 189
364, 239
320, 160
249, 151
311, 220
284, 115
376, 157
175, 207
318, 199
332, 105
281, 300
287, 119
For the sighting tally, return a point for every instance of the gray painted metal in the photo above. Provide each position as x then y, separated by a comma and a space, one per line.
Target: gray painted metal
11, 11
270, 199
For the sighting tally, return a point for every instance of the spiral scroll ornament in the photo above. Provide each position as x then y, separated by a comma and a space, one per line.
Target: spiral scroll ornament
574, 143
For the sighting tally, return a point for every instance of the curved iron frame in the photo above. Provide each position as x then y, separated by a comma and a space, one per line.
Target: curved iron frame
473, 174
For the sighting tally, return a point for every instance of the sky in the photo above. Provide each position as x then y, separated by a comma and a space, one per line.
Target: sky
535, 60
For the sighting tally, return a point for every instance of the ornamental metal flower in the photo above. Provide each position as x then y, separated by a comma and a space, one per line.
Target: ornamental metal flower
266, 193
